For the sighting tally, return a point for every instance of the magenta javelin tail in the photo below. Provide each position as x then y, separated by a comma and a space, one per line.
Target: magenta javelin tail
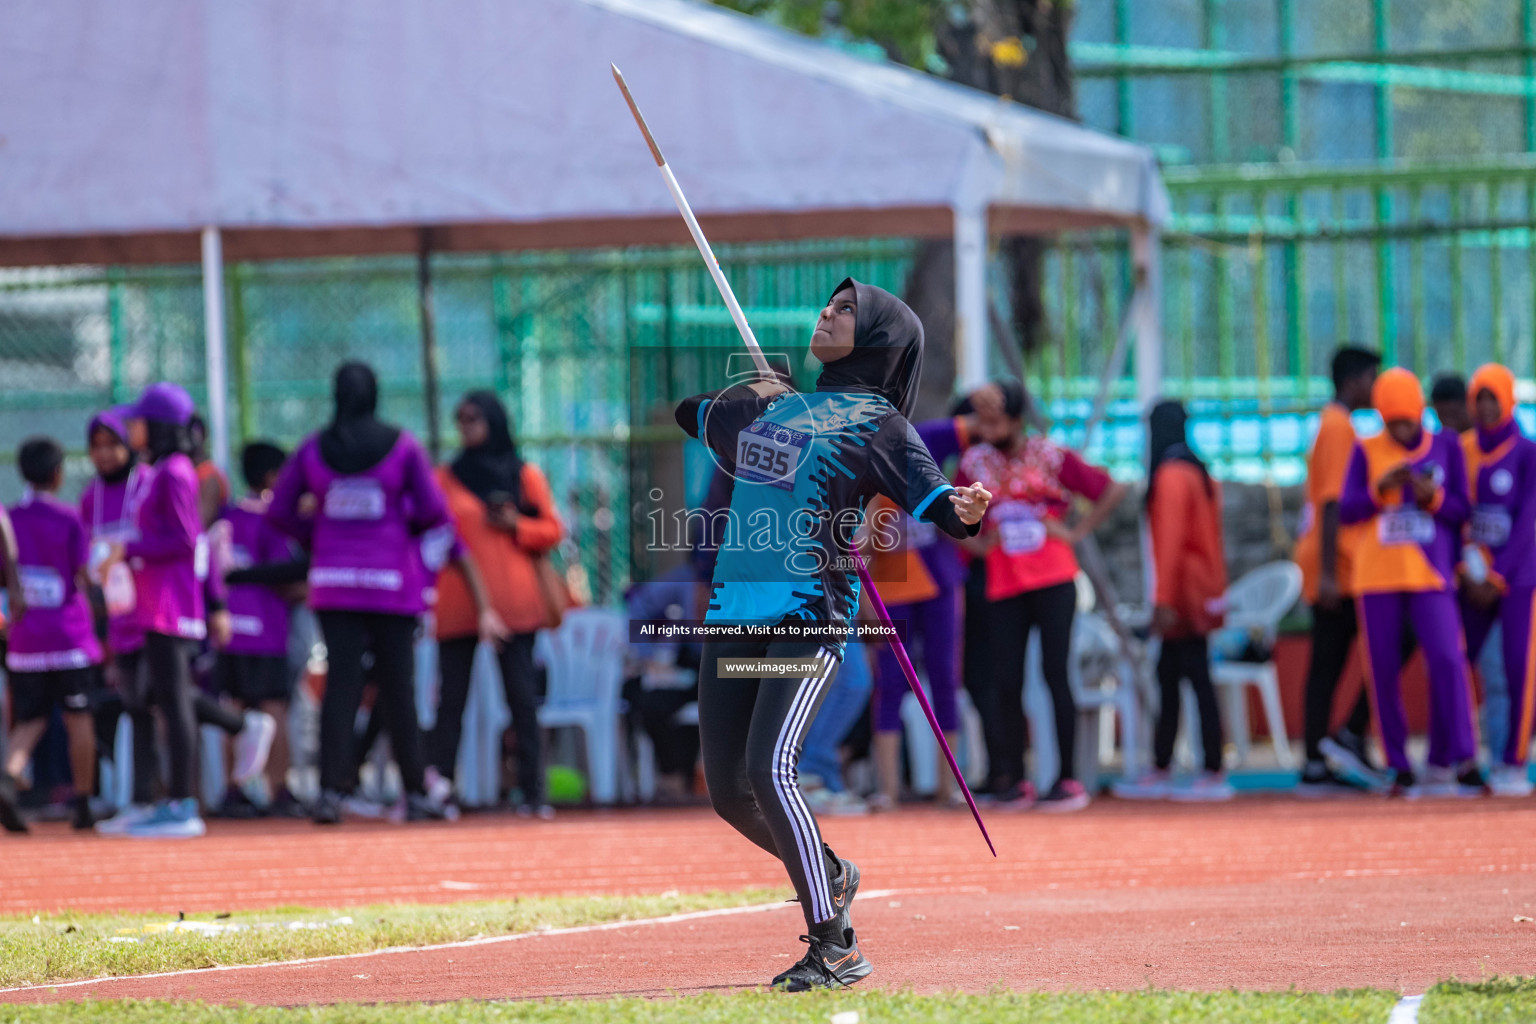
922, 698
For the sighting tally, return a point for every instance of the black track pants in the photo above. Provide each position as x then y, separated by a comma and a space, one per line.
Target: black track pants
392, 639
750, 732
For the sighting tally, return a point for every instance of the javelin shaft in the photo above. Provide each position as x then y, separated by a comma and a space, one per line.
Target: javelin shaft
710, 262
762, 364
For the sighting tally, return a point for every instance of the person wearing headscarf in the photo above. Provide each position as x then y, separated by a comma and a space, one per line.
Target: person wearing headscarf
168, 555
1406, 490
805, 467
1031, 571
1499, 567
379, 528
1189, 572
504, 514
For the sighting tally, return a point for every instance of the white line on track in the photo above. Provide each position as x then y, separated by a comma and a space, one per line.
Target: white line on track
1406, 1011
488, 940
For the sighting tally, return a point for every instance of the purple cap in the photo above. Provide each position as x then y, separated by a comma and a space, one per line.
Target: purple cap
163, 402
115, 420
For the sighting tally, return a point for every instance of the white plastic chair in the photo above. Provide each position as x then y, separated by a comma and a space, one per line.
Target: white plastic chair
1257, 602
585, 662
1104, 687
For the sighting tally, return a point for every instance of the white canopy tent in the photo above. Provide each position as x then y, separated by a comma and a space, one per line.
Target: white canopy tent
167, 129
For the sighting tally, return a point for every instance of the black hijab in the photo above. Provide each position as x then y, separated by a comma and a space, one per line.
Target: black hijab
355, 440
493, 466
1168, 439
887, 356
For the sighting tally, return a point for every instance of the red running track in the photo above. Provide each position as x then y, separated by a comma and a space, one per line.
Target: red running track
1262, 893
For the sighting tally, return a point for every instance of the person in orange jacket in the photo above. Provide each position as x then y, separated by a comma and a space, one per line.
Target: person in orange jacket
505, 516
1190, 582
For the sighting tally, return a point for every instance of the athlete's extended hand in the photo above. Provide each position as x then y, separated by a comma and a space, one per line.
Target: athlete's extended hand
970, 502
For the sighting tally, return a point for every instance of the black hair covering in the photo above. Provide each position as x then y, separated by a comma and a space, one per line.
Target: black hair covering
1168, 439
259, 460
1015, 399
162, 439
356, 440
887, 356
493, 466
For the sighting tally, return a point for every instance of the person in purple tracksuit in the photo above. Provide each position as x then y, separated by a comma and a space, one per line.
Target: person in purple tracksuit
262, 563
377, 508
1501, 471
107, 508
168, 556
53, 650
1405, 498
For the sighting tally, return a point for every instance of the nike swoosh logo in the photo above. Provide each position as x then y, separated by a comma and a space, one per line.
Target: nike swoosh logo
835, 964
838, 899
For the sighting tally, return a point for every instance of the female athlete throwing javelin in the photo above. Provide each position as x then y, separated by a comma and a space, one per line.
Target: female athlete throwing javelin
805, 465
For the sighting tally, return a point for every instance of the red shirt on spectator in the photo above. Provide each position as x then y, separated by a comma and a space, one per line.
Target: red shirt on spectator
1030, 485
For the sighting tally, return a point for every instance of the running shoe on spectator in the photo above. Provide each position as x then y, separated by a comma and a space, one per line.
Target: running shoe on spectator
170, 819
543, 812
123, 820
1318, 781
1347, 756
1152, 785
1404, 786
1207, 787
1512, 780
253, 745
1066, 795
1018, 797
824, 801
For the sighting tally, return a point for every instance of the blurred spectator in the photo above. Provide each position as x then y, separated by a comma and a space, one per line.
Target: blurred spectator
1031, 569
504, 514
1189, 580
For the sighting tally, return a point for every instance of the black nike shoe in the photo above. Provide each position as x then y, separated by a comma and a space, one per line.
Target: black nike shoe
825, 965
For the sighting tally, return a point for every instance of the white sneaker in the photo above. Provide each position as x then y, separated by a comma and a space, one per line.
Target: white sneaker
439, 789
1438, 781
1207, 787
172, 819
1511, 780
845, 805
252, 746
1153, 785
123, 820
362, 807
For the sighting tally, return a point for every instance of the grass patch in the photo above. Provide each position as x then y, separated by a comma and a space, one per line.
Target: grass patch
1495, 1001
873, 1007
67, 946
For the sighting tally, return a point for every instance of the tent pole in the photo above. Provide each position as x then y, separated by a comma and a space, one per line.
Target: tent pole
1146, 256
214, 346
970, 297
428, 340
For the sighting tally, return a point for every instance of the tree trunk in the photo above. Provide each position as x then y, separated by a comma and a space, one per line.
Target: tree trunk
1042, 80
